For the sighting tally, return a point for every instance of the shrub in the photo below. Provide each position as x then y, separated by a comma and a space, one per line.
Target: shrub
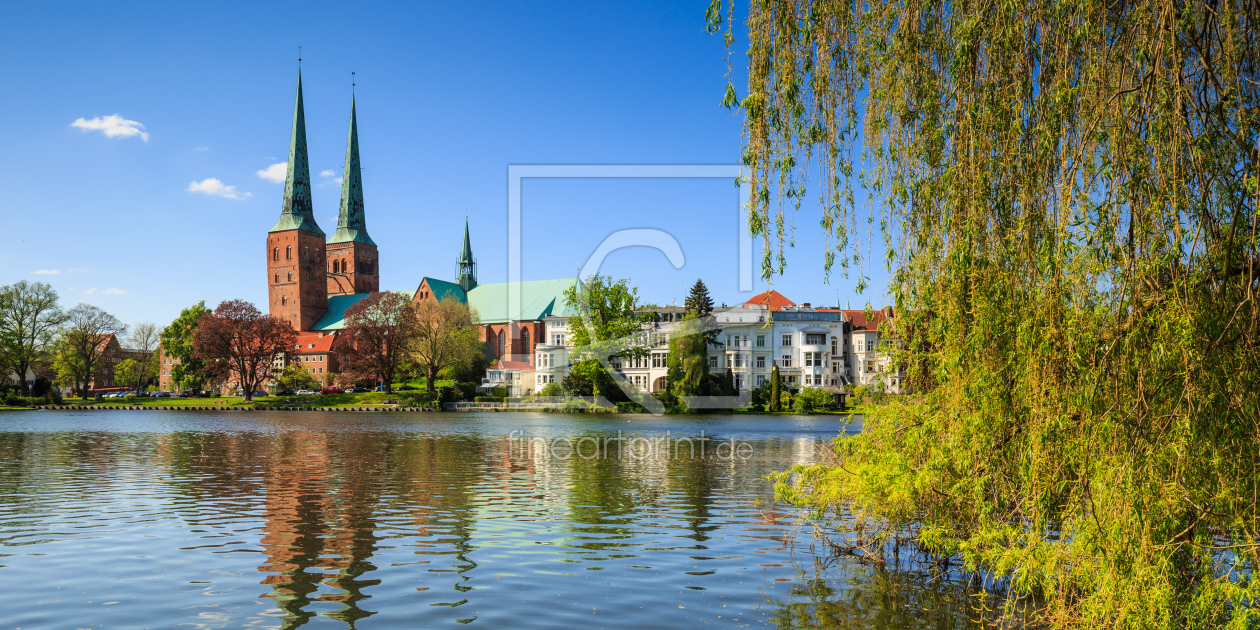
551, 390
498, 391
466, 390
630, 407
129, 398
811, 399
490, 399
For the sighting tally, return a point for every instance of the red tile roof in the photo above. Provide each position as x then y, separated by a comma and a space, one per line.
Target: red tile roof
314, 342
860, 320
771, 298
513, 365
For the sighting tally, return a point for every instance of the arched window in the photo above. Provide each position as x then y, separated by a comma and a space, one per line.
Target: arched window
525, 340
288, 252
336, 266
344, 268
275, 253
502, 344
290, 276
277, 278
284, 299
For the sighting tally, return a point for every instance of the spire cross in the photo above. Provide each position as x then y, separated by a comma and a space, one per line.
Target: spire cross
352, 83
299, 57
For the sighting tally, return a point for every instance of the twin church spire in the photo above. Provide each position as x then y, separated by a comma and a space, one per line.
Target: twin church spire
296, 212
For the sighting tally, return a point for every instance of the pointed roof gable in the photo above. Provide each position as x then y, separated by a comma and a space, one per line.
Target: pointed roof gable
539, 299
772, 299
351, 224
296, 212
442, 289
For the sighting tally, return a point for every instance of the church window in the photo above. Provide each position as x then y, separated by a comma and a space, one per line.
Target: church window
275, 253
502, 344
344, 267
525, 340
336, 266
277, 278
284, 299
290, 276
288, 252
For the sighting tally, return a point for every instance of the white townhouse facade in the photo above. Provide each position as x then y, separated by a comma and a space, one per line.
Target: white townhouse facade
812, 347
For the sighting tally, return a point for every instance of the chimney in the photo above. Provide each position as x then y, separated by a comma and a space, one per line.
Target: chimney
806, 305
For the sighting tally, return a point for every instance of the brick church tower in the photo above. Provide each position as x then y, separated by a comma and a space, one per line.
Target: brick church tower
297, 287
352, 255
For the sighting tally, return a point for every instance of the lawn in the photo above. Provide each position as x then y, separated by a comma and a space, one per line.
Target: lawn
322, 400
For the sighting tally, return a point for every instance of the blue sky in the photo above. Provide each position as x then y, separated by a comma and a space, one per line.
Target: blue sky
449, 94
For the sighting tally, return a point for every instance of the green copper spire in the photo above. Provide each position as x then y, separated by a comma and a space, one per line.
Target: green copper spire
467, 275
296, 212
351, 225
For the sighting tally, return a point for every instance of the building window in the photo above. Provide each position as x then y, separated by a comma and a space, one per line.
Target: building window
658, 360
288, 252
284, 299
815, 339
275, 253
761, 341
525, 340
344, 267
502, 344
336, 266
290, 276
787, 361
761, 361
713, 362
787, 340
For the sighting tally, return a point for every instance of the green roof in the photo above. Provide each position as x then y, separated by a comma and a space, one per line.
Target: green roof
295, 211
335, 317
442, 289
539, 298
351, 226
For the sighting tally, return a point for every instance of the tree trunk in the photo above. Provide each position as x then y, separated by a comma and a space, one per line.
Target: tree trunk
432, 376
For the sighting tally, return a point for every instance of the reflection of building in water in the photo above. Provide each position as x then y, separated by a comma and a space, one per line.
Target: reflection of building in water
805, 450
319, 529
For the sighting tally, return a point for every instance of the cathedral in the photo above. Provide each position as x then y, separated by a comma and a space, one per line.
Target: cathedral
312, 278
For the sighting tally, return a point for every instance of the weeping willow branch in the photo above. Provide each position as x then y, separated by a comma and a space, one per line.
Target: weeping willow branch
1065, 192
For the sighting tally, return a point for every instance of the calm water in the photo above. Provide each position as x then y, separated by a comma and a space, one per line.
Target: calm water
226, 520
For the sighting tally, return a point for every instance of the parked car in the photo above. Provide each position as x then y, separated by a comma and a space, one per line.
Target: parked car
332, 390
260, 393
159, 395
285, 392
306, 392
357, 390
406, 388
185, 394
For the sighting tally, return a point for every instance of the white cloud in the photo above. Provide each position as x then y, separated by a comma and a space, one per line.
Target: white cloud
215, 188
202, 149
90, 291
114, 126
114, 291
275, 173
46, 272
330, 177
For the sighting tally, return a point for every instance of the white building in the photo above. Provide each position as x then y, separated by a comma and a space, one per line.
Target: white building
812, 347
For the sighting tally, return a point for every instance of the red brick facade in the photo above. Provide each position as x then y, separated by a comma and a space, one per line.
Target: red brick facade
297, 282
352, 268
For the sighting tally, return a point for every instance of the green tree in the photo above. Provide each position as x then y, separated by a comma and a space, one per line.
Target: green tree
446, 337
177, 339
87, 329
29, 321
607, 326
1067, 197
295, 377
700, 305
131, 373
775, 386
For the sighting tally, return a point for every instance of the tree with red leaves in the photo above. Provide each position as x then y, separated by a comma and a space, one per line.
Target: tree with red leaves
238, 341
379, 337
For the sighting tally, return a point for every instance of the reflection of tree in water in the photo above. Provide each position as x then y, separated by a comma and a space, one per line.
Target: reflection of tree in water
434, 480
860, 596
694, 477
